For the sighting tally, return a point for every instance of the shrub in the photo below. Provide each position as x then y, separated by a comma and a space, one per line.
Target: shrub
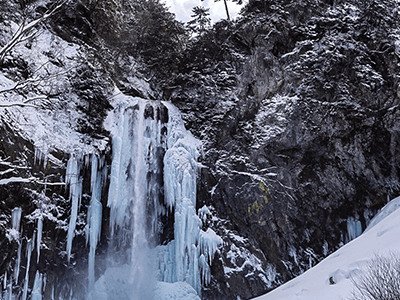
381, 280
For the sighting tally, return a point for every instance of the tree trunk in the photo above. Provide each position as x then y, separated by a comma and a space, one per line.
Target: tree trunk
226, 9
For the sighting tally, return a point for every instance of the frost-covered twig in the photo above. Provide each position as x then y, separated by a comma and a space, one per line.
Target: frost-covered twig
25, 103
22, 104
25, 29
9, 164
27, 180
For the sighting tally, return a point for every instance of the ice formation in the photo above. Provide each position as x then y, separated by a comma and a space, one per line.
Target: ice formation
153, 174
94, 216
354, 228
73, 179
37, 287
39, 236
151, 147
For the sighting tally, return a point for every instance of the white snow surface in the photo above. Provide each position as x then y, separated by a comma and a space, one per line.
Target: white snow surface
380, 238
175, 291
49, 122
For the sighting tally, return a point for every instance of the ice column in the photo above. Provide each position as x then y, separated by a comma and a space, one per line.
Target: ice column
74, 181
39, 236
29, 249
136, 136
94, 215
193, 249
16, 218
354, 228
37, 287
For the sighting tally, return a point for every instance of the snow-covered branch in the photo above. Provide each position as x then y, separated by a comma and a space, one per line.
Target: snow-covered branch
25, 29
27, 180
9, 164
25, 103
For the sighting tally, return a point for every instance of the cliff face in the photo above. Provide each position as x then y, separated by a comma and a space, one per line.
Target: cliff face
299, 122
296, 105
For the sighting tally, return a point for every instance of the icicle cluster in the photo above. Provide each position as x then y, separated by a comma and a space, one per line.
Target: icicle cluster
153, 173
193, 249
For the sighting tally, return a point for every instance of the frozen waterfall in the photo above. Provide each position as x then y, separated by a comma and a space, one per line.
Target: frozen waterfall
155, 246
153, 174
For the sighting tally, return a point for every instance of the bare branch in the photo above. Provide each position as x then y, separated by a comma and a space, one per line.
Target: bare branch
25, 29
28, 180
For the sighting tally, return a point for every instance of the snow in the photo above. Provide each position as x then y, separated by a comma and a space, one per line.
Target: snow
381, 238
174, 291
273, 118
49, 122
389, 208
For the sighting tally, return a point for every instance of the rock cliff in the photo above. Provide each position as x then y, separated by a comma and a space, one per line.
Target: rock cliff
295, 103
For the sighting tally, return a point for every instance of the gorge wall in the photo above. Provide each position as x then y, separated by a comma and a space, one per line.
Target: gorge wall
295, 105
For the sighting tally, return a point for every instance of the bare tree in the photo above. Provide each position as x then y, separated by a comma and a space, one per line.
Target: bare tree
24, 30
381, 280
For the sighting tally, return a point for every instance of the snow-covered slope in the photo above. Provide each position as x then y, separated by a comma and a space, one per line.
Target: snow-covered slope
380, 238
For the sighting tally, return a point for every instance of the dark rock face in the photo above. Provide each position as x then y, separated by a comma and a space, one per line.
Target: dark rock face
303, 143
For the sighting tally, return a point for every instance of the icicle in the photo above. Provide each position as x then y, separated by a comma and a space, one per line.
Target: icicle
10, 289
18, 262
74, 181
39, 236
16, 218
26, 281
5, 281
40, 157
209, 243
354, 228
205, 270
94, 218
37, 287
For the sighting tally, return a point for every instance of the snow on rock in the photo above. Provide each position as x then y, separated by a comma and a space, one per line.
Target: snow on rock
331, 279
391, 207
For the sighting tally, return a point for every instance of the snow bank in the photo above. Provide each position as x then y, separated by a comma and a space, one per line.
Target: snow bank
331, 278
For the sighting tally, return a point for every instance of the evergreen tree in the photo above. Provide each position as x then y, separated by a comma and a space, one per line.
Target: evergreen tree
201, 19
239, 2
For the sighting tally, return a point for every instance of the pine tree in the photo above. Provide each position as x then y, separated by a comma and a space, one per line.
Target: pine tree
201, 19
239, 2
